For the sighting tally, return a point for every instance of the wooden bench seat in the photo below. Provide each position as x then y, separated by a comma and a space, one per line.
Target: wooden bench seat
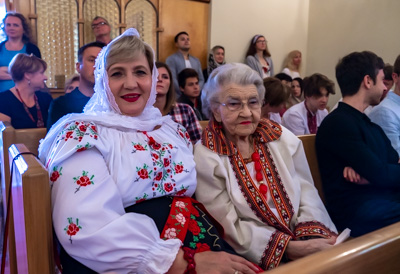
375, 252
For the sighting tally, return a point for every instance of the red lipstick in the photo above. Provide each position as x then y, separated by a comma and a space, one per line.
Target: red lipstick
131, 97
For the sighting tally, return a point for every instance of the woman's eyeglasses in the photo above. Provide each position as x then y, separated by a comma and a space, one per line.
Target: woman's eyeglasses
236, 105
98, 25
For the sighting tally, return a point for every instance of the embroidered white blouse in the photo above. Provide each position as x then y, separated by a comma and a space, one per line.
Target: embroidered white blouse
96, 171
220, 192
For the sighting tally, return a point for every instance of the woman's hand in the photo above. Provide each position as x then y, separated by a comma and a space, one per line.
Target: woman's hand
299, 249
214, 263
351, 176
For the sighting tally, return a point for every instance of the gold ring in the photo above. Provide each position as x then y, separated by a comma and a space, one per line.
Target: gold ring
236, 272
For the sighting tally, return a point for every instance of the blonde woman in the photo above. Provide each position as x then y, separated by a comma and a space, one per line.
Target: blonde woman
292, 64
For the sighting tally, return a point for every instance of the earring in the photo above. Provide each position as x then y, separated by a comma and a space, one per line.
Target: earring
29, 82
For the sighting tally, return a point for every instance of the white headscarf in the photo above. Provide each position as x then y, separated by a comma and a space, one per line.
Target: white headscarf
102, 108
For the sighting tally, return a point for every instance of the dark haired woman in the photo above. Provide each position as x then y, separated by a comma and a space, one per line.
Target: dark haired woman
259, 58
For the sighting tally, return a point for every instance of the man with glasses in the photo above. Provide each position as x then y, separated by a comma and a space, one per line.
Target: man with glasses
101, 29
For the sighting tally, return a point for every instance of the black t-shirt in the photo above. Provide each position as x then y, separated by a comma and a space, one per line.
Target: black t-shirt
12, 107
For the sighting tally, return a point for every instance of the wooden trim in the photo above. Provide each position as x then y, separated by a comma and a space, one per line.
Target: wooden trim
375, 252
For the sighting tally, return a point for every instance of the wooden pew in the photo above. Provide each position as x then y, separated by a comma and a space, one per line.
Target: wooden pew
32, 213
311, 154
375, 252
9, 136
204, 124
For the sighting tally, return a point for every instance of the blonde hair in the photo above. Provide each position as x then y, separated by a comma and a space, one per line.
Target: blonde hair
127, 48
289, 61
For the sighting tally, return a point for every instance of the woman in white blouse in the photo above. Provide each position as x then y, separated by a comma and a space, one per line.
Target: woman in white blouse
253, 175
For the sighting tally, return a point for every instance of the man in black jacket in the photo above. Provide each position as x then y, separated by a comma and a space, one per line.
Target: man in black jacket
360, 170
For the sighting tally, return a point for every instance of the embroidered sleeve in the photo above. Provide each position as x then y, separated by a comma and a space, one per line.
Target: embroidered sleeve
249, 237
313, 229
274, 251
89, 217
182, 132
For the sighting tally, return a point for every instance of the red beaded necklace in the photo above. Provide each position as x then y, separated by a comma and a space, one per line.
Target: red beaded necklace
259, 176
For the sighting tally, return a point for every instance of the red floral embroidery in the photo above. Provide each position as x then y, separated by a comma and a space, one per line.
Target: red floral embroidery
168, 187
78, 130
194, 212
166, 162
83, 180
158, 177
201, 247
68, 135
185, 135
154, 144
178, 168
181, 192
139, 200
143, 172
139, 147
194, 227
72, 228
80, 148
82, 127
55, 174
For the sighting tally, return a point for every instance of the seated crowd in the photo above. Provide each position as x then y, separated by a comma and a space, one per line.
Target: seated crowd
236, 196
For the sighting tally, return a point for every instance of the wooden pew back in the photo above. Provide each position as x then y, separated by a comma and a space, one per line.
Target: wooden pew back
311, 154
204, 124
32, 213
9, 136
375, 252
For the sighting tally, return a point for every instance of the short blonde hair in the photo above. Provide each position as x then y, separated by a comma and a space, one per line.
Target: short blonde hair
23, 63
126, 48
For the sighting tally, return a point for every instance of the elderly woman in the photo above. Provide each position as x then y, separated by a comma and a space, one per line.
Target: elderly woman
253, 175
122, 176
24, 105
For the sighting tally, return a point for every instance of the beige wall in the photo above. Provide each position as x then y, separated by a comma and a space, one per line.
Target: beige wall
339, 27
283, 23
324, 30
